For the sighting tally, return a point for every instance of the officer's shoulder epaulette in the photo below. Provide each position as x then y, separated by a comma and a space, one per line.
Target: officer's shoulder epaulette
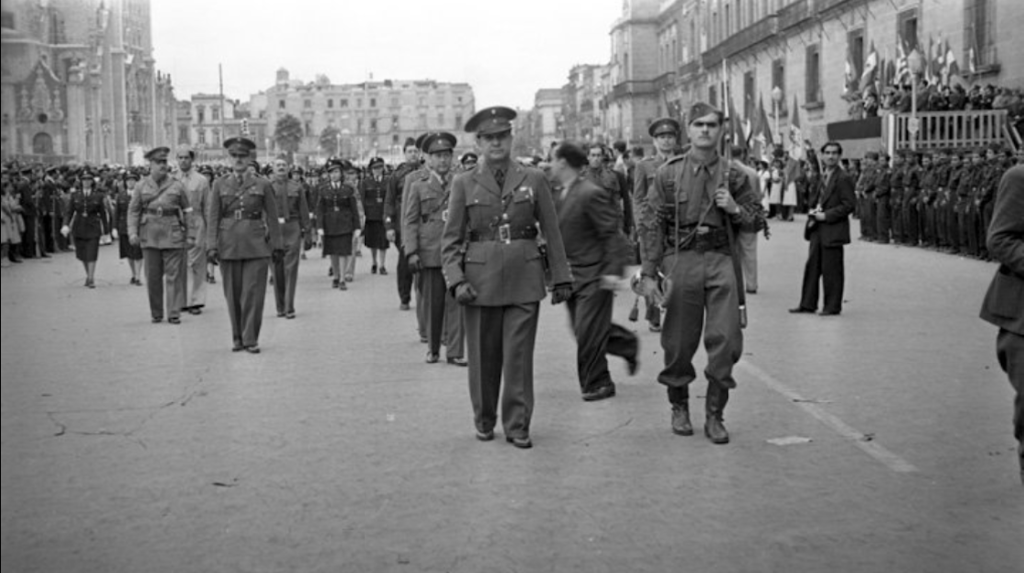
418, 175
675, 159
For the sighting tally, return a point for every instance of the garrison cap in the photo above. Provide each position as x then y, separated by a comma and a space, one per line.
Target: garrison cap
439, 141
157, 153
240, 144
419, 141
700, 109
491, 120
375, 161
662, 126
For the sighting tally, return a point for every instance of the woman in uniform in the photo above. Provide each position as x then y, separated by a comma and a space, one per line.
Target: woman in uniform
338, 220
88, 219
127, 250
371, 192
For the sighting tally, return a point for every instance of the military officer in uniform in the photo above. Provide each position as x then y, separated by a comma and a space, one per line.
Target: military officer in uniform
393, 218
160, 220
683, 228
372, 192
243, 234
338, 219
87, 217
197, 187
883, 213
665, 131
293, 217
425, 208
494, 265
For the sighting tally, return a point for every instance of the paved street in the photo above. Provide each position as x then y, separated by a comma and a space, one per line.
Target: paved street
131, 447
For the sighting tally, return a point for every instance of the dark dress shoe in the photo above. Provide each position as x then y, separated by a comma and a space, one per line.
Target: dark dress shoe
237, 348
681, 420
334, 283
373, 270
383, 271
801, 310
655, 327
195, 311
174, 320
158, 319
342, 286
423, 339
829, 313
606, 391
458, 361
523, 443
280, 314
254, 349
432, 358
289, 315
403, 306
485, 436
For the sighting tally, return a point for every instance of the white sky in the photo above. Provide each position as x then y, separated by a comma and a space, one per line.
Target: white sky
506, 50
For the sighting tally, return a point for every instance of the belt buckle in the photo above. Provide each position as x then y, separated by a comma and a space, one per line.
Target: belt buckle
238, 214
505, 233
159, 211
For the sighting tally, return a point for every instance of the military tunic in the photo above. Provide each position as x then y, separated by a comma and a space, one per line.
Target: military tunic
293, 215
337, 215
89, 219
373, 194
197, 188
159, 215
393, 222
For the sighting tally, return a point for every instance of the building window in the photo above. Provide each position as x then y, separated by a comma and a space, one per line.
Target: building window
215, 113
373, 102
7, 20
394, 123
458, 121
712, 97
201, 136
359, 125
395, 102
359, 102
749, 91
307, 103
373, 125
422, 122
813, 74
280, 104
330, 103
855, 41
906, 30
979, 36
183, 134
343, 103
307, 127
200, 114
394, 139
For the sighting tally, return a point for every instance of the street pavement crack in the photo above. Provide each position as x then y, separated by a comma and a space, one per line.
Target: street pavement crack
607, 432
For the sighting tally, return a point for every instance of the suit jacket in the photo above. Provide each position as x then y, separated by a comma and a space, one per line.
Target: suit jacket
242, 218
588, 221
393, 195
197, 189
169, 229
837, 200
502, 273
424, 210
292, 209
88, 217
1004, 302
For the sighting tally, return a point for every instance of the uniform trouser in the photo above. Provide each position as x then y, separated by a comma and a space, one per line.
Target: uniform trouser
703, 299
824, 264
403, 276
454, 327
500, 341
971, 225
747, 242
286, 270
986, 220
46, 232
196, 276
433, 288
896, 219
245, 289
911, 222
865, 217
1010, 351
883, 219
953, 226
164, 268
590, 315
28, 238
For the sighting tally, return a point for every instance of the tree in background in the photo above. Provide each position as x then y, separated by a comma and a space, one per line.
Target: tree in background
288, 135
329, 141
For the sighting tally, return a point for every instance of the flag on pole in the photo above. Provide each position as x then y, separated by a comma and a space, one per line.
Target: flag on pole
736, 136
950, 67
849, 74
867, 78
972, 56
762, 133
795, 133
902, 67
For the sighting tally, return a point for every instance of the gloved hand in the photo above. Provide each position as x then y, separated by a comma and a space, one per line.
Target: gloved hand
391, 235
134, 240
414, 263
213, 257
65, 230
307, 243
465, 293
320, 232
561, 293
113, 234
278, 255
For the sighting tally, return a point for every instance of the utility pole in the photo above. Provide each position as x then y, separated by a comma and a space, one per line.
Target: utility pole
220, 73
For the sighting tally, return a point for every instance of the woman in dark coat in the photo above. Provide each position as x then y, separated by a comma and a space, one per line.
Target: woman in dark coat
371, 192
88, 219
338, 215
123, 197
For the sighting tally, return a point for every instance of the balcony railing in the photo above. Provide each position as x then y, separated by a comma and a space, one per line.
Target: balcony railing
746, 38
825, 5
794, 14
664, 81
632, 88
945, 129
689, 68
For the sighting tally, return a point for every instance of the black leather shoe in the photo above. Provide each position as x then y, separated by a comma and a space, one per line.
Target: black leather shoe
289, 315
334, 283
523, 443
403, 306
458, 361
432, 358
485, 436
158, 319
828, 313
174, 320
606, 391
681, 420
254, 349
801, 310
383, 271
280, 314
423, 339
237, 348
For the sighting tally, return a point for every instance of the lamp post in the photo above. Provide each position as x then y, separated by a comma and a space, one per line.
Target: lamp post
776, 107
916, 64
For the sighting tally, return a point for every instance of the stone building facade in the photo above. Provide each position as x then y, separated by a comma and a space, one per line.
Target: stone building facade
79, 82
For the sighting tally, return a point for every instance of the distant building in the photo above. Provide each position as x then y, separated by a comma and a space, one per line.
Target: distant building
208, 121
365, 119
79, 82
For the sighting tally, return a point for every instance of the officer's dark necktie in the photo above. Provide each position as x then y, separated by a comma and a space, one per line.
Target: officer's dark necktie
499, 176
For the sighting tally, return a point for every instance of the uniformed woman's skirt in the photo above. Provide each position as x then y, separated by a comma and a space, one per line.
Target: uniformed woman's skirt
87, 250
340, 245
375, 236
127, 250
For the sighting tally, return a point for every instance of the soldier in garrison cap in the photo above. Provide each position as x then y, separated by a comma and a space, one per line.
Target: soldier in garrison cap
197, 187
495, 266
665, 132
684, 228
425, 210
243, 235
87, 219
160, 220
393, 215
866, 195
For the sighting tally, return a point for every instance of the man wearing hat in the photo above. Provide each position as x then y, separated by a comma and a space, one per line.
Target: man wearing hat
686, 234
494, 265
197, 188
242, 235
393, 218
865, 191
293, 217
665, 133
425, 209
160, 220
469, 160
883, 213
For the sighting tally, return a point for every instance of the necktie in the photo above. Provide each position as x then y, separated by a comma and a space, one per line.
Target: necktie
499, 176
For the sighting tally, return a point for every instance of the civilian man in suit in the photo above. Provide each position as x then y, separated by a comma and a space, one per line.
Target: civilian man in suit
160, 220
425, 206
393, 217
495, 267
293, 217
589, 222
242, 235
197, 188
1004, 301
828, 229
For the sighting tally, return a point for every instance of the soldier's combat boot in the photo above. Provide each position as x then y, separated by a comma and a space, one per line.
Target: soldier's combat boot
714, 405
681, 420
